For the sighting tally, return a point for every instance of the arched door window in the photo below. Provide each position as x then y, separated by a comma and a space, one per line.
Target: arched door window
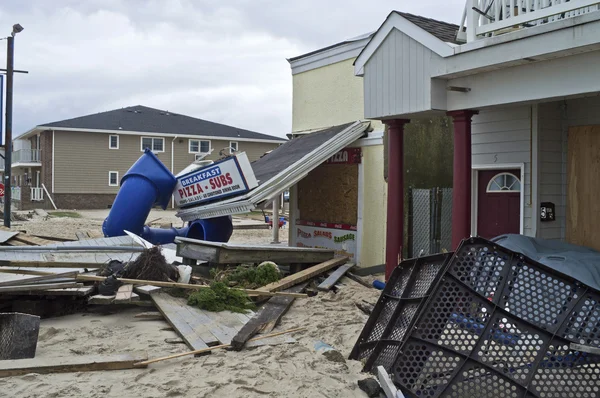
504, 182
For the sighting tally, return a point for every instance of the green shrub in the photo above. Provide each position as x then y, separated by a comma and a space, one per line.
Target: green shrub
220, 298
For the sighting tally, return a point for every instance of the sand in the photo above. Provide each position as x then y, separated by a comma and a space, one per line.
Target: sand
287, 370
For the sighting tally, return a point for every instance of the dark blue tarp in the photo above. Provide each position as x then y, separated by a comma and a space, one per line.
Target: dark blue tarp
581, 263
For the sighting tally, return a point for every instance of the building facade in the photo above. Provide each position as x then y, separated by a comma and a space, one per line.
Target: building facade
81, 161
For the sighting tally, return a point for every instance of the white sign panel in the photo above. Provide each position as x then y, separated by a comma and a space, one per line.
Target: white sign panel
343, 241
228, 177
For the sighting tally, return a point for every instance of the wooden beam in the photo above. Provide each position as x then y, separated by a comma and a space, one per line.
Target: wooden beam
266, 318
48, 264
125, 293
359, 280
29, 288
328, 283
29, 280
150, 315
88, 363
304, 275
388, 386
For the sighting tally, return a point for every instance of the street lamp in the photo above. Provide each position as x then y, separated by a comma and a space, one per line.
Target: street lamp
10, 70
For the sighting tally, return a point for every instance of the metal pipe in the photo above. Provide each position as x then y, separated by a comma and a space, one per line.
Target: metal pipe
8, 129
74, 248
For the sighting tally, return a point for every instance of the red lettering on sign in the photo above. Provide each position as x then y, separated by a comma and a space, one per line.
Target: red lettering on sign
194, 190
189, 191
223, 180
199, 188
229, 179
181, 193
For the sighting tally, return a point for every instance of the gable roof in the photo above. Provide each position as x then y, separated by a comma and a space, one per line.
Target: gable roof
435, 35
444, 31
143, 119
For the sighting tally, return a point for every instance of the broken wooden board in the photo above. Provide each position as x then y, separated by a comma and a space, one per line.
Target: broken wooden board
88, 363
304, 275
42, 286
149, 315
125, 294
146, 289
266, 318
335, 276
100, 299
82, 235
29, 279
225, 253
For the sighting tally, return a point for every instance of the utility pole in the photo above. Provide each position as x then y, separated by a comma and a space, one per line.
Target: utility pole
10, 71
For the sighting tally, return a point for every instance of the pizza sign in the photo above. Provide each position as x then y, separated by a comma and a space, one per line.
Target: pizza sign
346, 156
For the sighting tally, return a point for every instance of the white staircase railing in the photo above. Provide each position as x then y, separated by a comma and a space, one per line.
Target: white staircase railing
484, 18
37, 194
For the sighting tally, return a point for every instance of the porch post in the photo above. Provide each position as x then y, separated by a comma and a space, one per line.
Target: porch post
461, 187
395, 198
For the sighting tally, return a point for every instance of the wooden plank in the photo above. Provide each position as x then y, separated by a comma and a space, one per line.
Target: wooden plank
304, 275
332, 279
224, 253
26, 280
359, 280
44, 286
372, 270
583, 168
49, 264
168, 307
146, 289
101, 299
88, 363
149, 315
266, 318
388, 386
82, 235
125, 293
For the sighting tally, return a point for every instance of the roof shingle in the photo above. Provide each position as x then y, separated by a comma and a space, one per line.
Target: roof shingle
149, 120
444, 31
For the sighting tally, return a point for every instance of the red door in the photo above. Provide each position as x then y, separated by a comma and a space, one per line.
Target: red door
499, 203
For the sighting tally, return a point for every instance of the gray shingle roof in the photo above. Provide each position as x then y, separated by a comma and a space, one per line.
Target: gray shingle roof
289, 153
149, 120
444, 31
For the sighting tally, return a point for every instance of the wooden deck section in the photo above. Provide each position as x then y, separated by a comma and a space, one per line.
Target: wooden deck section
225, 253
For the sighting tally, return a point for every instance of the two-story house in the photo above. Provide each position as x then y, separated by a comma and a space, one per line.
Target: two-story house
80, 161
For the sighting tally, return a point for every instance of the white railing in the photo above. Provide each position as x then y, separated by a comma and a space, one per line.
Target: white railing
15, 193
26, 156
484, 18
37, 194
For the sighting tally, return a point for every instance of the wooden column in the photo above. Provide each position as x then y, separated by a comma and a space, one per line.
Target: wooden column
395, 199
461, 187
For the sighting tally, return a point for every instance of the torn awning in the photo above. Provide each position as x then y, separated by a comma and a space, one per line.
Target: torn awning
282, 168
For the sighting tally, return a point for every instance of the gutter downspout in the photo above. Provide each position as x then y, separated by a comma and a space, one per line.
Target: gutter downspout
172, 165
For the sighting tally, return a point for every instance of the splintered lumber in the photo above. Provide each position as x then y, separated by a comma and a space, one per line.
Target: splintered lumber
125, 293
266, 318
149, 315
48, 264
26, 239
304, 275
227, 253
28, 288
208, 349
30, 280
88, 363
332, 279
186, 286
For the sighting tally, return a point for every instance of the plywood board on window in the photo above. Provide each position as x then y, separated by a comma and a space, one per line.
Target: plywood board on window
329, 193
583, 186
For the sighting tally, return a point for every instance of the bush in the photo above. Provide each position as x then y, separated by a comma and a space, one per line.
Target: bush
220, 298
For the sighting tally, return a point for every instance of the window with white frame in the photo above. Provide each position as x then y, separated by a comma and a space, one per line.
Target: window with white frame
233, 146
199, 146
113, 141
155, 144
504, 182
113, 178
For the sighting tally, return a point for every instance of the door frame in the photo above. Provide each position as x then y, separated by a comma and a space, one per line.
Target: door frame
475, 188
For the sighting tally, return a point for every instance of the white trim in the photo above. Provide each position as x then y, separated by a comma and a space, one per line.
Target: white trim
534, 203
26, 164
294, 215
475, 185
374, 138
341, 52
52, 162
396, 21
501, 191
152, 149
360, 211
150, 134
110, 141
109, 183
237, 147
199, 151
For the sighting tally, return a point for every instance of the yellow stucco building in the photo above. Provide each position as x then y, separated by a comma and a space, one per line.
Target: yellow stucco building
327, 93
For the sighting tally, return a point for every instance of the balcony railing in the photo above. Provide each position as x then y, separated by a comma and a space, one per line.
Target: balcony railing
37, 194
485, 18
26, 156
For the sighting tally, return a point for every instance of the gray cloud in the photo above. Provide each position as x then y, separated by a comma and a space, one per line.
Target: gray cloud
223, 61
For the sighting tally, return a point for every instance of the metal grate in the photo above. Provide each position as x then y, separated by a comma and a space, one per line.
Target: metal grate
485, 322
18, 335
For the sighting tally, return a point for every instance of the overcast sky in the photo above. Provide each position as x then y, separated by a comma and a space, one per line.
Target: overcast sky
219, 60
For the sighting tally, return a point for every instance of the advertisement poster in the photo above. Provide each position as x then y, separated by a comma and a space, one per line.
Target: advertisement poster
339, 237
232, 176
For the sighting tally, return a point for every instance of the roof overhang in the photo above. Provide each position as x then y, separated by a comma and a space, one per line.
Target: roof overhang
286, 178
148, 134
396, 21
